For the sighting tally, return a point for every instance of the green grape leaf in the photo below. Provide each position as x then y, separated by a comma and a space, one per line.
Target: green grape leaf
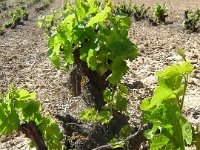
9, 120
158, 142
91, 59
169, 72
57, 44
145, 104
186, 68
93, 6
91, 114
161, 94
68, 57
99, 17
25, 95
51, 133
121, 103
11, 95
30, 111
121, 46
66, 27
55, 60
166, 118
53, 140
124, 20
104, 116
179, 91
170, 77
123, 89
84, 50
186, 131
119, 68
81, 8
88, 115
107, 95
20, 105
51, 43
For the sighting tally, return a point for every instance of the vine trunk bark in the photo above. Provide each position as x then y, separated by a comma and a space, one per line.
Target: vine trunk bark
32, 132
96, 85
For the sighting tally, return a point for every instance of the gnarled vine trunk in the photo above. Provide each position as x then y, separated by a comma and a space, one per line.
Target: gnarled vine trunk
32, 132
95, 84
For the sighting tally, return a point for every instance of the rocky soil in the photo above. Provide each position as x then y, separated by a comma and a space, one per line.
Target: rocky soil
23, 62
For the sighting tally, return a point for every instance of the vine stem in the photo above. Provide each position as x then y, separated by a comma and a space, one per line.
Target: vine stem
118, 143
185, 88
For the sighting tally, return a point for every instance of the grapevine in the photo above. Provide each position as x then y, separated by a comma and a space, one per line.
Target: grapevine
20, 111
170, 129
191, 20
94, 42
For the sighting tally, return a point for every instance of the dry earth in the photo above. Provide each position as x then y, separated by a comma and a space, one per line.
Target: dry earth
23, 62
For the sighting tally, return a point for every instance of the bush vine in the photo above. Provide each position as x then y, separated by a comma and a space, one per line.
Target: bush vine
20, 111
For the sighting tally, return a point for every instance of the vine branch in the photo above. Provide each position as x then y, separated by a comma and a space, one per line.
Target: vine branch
32, 132
120, 142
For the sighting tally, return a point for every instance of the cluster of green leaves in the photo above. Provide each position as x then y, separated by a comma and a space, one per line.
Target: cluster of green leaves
66, 5
32, 2
16, 16
123, 8
100, 36
20, 2
140, 12
191, 20
170, 128
49, 23
91, 114
160, 13
20, 106
115, 100
3, 6
45, 4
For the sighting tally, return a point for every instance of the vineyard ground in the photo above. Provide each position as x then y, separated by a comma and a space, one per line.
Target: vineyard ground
23, 62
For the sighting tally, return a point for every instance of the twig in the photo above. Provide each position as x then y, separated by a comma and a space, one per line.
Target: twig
118, 143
